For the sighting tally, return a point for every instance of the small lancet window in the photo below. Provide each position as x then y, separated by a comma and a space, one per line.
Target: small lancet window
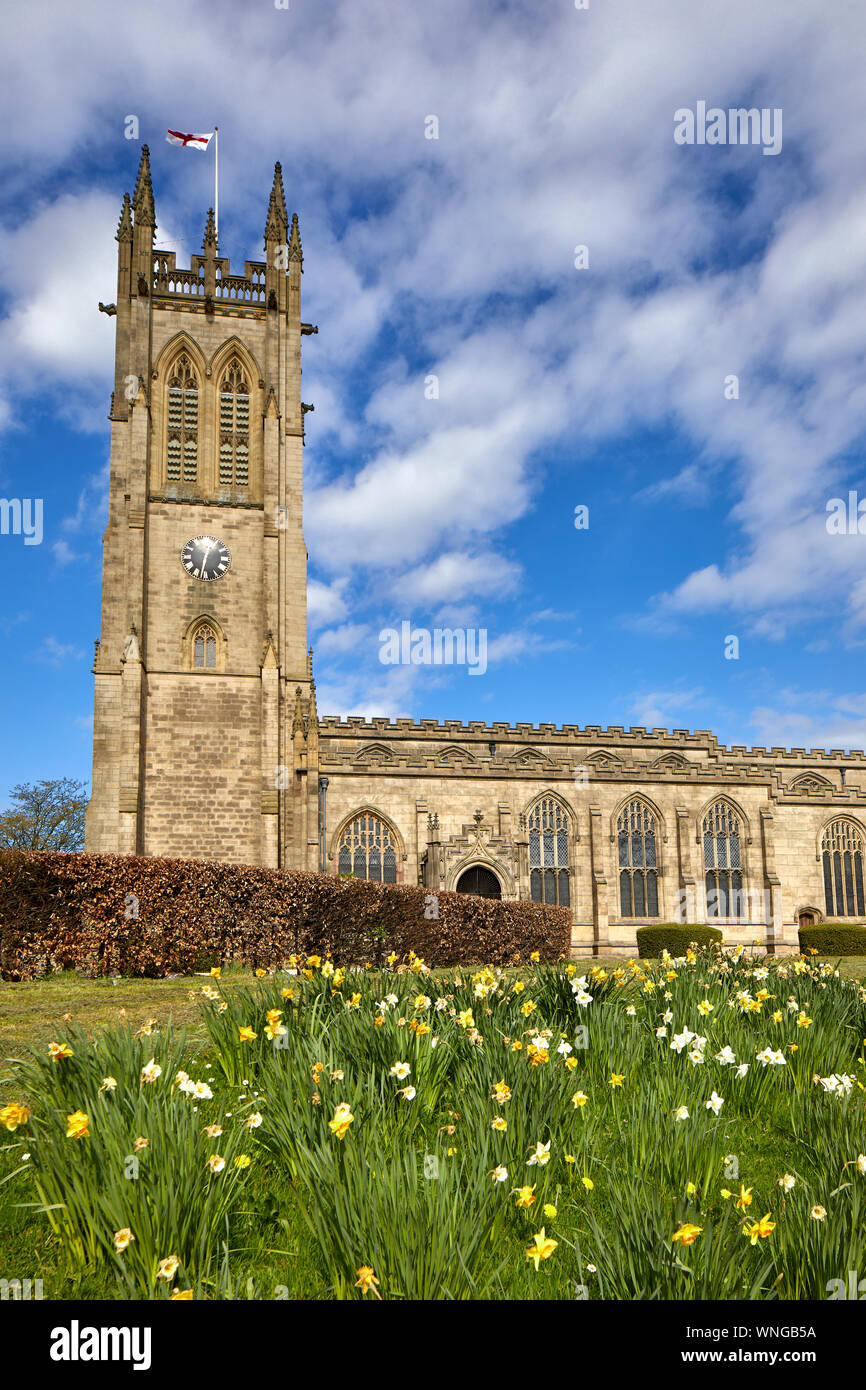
204, 649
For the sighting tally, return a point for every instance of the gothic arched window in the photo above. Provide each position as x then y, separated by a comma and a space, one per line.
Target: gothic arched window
182, 440
234, 455
842, 854
548, 853
204, 648
638, 863
368, 849
722, 863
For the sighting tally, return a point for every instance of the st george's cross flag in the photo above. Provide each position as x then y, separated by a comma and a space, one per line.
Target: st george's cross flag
194, 142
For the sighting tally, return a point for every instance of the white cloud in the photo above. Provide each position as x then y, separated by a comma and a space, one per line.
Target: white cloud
457, 575
58, 653
325, 602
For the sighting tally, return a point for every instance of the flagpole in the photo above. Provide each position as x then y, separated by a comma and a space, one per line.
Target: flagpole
216, 181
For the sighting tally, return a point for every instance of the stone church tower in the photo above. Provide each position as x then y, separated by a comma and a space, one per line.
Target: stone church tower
203, 683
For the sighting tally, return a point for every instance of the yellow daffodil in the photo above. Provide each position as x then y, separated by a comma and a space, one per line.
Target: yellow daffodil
542, 1249
367, 1280
759, 1230
744, 1199
14, 1114
122, 1239
181, 1296
579, 1099
617, 1079
343, 1117
78, 1125
168, 1267
60, 1050
499, 1124
246, 1034
501, 1092
525, 1196
687, 1234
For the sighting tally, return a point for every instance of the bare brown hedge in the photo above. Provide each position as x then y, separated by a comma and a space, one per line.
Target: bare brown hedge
107, 914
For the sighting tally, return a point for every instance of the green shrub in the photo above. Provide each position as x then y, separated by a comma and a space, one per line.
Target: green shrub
834, 939
674, 937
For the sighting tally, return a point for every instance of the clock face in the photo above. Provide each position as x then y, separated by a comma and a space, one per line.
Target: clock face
206, 557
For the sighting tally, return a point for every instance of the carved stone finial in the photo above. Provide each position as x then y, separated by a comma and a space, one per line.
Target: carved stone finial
277, 221
142, 198
298, 721
295, 252
124, 226
478, 817
209, 242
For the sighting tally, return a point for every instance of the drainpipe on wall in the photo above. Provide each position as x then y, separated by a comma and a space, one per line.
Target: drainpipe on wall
323, 789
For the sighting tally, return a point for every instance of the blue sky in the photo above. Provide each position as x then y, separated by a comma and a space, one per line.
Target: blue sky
558, 386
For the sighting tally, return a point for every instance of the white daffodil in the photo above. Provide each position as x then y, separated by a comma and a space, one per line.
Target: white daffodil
541, 1155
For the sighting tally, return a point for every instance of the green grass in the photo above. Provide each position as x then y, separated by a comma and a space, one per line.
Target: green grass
311, 1209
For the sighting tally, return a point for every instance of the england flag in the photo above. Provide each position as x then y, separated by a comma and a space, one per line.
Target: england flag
193, 142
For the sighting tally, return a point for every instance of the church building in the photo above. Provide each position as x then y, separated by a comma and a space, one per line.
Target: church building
207, 739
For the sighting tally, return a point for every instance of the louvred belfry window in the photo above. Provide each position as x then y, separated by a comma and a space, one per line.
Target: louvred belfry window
638, 866
722, 864
548, 853
234, 452
182, 439
368, 849
842, 856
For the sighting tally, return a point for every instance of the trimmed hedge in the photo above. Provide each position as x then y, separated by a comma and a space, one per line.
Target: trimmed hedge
107, 914
675, 937
834, 939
